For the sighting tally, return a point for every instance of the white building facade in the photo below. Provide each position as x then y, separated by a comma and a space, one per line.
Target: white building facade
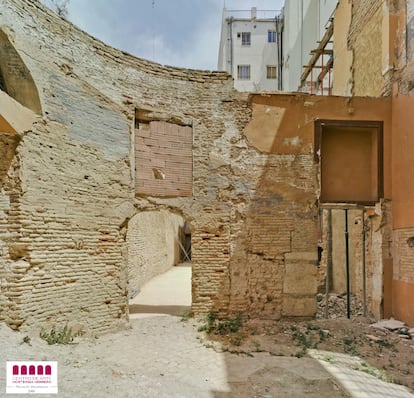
250, 49
307, 45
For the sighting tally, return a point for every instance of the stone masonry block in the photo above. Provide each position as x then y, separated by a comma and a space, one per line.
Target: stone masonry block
299, 306
300, 277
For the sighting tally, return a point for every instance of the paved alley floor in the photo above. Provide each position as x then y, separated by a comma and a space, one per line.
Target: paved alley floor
168, 293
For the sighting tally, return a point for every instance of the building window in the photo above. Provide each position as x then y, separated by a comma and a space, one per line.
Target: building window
245, 36
243, 72
271, 71
271, 36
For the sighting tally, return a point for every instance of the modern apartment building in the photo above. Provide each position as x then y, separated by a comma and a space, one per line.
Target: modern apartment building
287, 50
308, 45
250, 49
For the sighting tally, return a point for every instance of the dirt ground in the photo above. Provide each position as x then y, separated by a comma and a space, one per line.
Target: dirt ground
382, 349
178, 356
165, 357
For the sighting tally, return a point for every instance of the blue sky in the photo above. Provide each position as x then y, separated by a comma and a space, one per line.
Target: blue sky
181, 33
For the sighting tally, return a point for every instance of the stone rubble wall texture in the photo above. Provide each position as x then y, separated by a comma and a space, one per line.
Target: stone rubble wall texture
66, 254
68, 200
365, 39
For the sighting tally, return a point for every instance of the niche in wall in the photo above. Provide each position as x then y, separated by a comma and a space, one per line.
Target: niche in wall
350, 155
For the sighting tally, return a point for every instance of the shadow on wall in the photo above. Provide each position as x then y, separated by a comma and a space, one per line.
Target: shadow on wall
15, 78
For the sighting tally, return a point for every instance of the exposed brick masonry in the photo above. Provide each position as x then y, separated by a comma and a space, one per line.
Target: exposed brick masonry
163, 159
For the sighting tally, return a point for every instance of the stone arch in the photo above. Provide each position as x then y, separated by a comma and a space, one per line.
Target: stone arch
15, 78
157, 240
15, 120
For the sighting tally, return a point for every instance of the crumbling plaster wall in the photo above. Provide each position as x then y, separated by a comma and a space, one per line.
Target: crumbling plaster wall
74, 219
274, 262
367, 45
77, 173
365, 40
253, 208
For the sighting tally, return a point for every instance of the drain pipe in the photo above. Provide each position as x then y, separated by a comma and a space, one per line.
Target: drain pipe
348, 285
230, 40
328, 262
279, 52
364, 272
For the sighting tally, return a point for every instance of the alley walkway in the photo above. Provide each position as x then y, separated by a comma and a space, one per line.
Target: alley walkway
168, 293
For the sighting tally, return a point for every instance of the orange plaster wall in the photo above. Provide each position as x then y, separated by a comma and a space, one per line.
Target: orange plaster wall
403, 161
402, 301
5, 126
293, 132
388, 282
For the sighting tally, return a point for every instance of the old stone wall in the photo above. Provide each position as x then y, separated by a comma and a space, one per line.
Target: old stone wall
78, 180
365, 40
252, 204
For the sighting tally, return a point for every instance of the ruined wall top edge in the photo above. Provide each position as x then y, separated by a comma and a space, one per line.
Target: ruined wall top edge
41, 16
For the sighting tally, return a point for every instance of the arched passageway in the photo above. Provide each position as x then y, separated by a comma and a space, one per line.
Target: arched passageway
159, 263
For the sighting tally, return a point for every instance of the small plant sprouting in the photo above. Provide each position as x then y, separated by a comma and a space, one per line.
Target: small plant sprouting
227, 326
62, 336
350, 345
209, 323
185, 316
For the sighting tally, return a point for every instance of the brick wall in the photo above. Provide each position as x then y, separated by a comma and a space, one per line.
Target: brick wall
210, 257
163, 159
71, 214
252, 210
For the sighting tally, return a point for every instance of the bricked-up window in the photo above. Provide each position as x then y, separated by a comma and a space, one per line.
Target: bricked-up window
246, 38
350, 153
243, 72
163, 158
271, 71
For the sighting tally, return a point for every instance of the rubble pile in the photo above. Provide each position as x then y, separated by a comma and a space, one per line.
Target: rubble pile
337, 306
394, 326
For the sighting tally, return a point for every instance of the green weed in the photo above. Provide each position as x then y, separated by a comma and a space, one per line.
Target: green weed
62, 336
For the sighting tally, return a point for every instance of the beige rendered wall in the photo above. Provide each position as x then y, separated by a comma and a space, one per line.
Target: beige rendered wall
403, 214
342, 68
